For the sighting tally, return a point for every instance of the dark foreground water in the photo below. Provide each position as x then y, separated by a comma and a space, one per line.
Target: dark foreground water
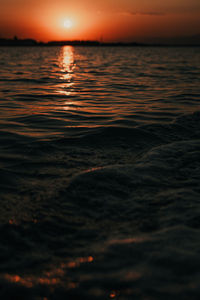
100, 173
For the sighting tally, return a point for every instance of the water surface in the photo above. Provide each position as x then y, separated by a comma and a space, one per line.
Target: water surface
99, 173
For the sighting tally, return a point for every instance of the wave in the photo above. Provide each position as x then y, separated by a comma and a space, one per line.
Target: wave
111, 227
99, 174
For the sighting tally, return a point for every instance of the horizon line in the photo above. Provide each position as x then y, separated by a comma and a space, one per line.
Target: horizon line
15, 41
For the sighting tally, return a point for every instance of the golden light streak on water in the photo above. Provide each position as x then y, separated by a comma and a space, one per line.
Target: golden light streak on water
67, 66
53, 277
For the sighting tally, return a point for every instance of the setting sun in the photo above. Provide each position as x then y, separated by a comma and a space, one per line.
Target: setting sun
68, 23
107, 20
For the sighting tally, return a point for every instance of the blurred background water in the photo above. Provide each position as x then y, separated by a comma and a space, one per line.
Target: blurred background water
99, 156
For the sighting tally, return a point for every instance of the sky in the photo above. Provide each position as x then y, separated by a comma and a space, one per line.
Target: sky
105, 20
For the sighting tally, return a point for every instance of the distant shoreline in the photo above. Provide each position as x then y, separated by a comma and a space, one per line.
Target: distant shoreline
33, 43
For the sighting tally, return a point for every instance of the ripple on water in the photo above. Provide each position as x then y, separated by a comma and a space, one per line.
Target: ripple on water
99, 173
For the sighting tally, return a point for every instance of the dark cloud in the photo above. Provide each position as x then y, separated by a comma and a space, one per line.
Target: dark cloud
148, 13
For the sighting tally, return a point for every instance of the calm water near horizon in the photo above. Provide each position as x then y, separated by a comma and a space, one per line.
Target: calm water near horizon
100, 170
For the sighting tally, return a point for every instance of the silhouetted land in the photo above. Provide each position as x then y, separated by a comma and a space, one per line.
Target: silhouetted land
33, 43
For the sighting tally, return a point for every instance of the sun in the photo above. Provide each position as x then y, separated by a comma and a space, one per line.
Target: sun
68, 23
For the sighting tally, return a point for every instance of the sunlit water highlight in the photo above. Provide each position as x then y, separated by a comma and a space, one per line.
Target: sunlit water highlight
100, 172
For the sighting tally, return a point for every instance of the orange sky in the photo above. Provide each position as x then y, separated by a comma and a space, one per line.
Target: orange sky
113, 20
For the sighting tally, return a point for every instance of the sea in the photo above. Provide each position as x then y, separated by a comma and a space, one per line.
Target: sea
99, 173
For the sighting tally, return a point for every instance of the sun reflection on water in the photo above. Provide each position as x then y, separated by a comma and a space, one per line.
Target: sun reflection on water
67, 62
53, 277
67, 66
